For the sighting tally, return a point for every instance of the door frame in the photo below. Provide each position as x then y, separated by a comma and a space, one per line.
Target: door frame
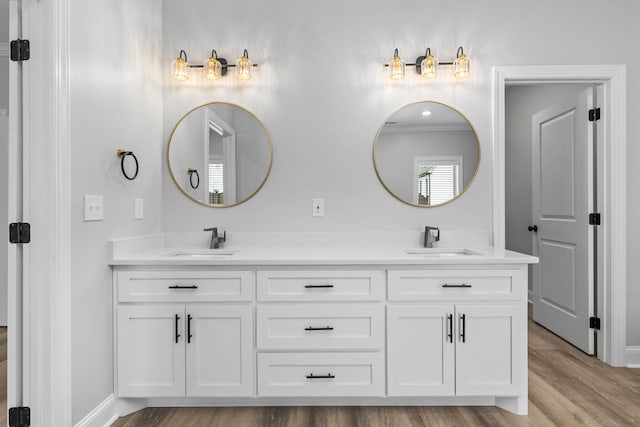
612, 307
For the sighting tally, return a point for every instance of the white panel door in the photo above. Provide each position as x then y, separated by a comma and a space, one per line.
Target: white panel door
562, 195
420, 358
150, 351
219, 351
490, 350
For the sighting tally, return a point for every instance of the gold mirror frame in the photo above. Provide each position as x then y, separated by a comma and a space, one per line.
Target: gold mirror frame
411, 203
268, 171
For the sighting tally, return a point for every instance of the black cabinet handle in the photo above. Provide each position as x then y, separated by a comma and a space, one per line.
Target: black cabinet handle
317, 286
177, 334
462, 285
189, 336
318, 377
533, 228
464, 327
311, 328
183, 287
450, 333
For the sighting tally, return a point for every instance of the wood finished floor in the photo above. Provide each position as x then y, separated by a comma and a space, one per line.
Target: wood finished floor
566, 388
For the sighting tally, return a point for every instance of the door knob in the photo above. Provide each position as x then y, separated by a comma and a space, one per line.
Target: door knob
533, 228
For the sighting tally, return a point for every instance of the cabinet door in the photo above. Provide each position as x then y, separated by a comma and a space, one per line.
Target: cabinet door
219, 351
490, 350
150, 351
420, 350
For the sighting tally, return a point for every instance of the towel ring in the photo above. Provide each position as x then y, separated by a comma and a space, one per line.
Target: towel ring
122, 154
191, 173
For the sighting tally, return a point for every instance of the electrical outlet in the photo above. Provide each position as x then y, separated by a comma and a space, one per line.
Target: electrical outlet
93, 208
318, 207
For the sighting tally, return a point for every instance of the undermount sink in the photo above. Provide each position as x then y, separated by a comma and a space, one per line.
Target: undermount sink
441, 252
204, 253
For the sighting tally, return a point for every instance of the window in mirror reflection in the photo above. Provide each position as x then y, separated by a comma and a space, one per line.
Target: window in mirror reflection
438, 179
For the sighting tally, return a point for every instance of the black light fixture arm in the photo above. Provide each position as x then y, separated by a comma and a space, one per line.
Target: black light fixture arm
419, 59
225, 64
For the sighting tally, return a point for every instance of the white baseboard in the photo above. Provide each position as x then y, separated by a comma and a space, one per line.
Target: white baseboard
102, 415
633, 357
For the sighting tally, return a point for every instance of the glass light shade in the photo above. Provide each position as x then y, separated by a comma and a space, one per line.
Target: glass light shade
244, 67
397, 67
429, 67
180, 69
461, 66
212, 68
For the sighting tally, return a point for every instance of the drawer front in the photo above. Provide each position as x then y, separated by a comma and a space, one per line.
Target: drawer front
430, 285
184, 286
321, 285
320, 374
320, 326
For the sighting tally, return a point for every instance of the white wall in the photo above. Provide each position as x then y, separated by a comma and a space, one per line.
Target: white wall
4, 139
116, 102
522, 102
322, 94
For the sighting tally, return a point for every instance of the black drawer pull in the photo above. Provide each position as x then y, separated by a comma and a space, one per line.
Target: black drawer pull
462, 285
450, 333
326, 328
463, 331
320, 377
177, 333
183, 287
317, 286
189, 336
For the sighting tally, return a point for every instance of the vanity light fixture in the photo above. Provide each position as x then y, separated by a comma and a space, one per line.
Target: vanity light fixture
180, 67
461, 64
213, 68
427, 65
397, 67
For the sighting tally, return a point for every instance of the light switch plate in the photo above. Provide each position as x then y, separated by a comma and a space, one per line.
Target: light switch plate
93, 208
138, 209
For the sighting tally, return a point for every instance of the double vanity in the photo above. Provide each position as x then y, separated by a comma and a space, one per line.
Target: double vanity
296, 324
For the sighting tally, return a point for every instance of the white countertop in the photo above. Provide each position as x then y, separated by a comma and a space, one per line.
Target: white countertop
166, 250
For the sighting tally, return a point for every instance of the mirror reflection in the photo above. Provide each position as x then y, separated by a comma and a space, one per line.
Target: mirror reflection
219, 154
426, 154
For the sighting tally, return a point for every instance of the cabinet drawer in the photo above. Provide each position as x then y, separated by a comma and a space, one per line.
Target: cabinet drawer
320, 326
321, 285
184, 286
320, 374
417, 285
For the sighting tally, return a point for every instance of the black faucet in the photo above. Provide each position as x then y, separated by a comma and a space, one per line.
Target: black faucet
431, 234
215, 239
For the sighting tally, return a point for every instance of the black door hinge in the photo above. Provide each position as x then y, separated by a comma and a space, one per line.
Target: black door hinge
594, 114
20, 416
19, 232
594, 323
20, 50
594, 219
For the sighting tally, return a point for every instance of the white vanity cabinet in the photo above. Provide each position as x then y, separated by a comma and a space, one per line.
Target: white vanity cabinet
456, 333
184, 333
252, 333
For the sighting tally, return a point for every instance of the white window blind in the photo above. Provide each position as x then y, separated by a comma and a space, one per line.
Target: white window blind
443, 183
216, 178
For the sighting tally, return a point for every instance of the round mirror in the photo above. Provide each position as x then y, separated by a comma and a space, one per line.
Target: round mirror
219, 154
426, 154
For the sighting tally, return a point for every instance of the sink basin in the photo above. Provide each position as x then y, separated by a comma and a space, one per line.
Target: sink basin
441, 252
204, 253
